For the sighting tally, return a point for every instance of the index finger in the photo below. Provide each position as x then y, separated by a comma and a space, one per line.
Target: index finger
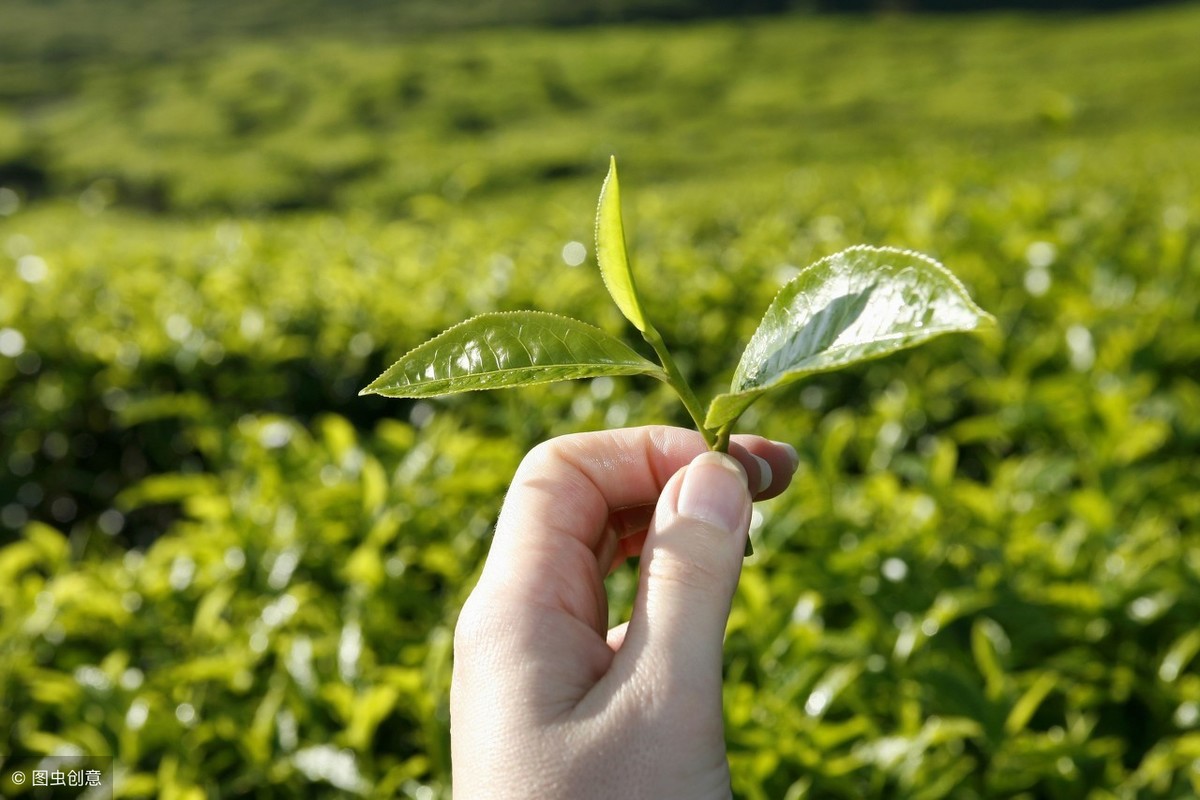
555, 520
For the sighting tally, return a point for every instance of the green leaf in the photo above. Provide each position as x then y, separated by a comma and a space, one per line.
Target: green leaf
517, 348
610, 250
858, 304
1024, 709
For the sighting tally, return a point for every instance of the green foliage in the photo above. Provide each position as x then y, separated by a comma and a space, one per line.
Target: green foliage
611, 255
394, 120
284, 625
228, 570
853, 306
859, 304
515, 348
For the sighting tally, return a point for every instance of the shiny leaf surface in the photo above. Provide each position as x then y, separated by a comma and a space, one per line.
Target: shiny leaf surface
610, 250
498, 350
858, 304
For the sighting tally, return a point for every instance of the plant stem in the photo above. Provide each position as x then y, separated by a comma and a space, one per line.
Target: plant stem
679, 383
722, 442
718, 441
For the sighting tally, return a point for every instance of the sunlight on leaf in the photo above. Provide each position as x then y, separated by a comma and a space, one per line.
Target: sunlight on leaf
498, 350
856, 305
610, 251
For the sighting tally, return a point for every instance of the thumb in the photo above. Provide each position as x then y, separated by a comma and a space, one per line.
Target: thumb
690, 566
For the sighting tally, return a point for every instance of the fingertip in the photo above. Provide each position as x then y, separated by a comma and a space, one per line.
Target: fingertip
781, 461
793, 456
714, 490
766, 475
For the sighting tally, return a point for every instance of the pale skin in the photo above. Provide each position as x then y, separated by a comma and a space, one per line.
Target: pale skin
548, 702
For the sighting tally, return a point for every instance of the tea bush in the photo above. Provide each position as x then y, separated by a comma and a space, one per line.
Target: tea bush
239, 578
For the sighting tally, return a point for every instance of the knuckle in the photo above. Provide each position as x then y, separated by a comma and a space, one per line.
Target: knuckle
700, 568
545, 457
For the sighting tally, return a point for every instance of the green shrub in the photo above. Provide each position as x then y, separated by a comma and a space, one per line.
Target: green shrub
225, 569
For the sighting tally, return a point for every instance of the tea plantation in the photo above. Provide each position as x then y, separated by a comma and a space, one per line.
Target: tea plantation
224, 568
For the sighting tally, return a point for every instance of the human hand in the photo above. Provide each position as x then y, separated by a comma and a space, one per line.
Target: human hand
547, 703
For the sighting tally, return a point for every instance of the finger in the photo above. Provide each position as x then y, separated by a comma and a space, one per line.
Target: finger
553, 544
566, 489
780, 460
629, 527
769, 467
631, 521
629, 547
690, 566
616, 636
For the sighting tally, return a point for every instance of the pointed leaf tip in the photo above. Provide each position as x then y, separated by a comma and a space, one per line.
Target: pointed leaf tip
610, 250
506, 349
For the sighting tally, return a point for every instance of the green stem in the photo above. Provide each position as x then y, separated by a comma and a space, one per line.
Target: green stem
722, 443
718, 441
679, 383
722, 446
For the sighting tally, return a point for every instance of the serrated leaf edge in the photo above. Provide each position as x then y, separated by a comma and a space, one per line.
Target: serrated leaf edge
899, 251
986, 320
652, 368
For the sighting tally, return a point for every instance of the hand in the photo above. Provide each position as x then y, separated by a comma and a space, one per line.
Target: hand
547, 703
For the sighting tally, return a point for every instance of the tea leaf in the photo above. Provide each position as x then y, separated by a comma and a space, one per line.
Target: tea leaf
498, 350
610, 251
856, 305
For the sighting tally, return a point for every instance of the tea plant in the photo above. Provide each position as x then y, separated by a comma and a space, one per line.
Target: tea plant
985, 579
859, 304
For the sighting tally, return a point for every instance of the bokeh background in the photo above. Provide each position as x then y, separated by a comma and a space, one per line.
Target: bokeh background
220, 220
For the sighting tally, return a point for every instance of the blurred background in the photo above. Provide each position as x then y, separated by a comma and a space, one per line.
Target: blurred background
220, 220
